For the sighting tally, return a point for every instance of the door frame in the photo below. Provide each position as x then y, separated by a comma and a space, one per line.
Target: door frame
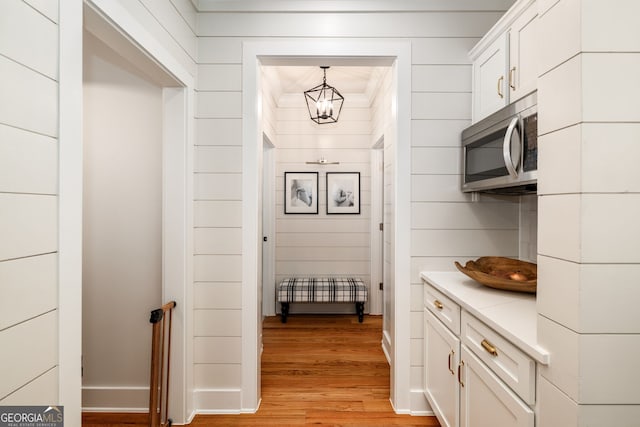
254, 52
178, 101
376, 303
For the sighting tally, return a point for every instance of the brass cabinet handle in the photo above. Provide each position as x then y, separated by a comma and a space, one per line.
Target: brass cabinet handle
459, 368
500, 80
438, 304
512, 79
489, 347
451, 354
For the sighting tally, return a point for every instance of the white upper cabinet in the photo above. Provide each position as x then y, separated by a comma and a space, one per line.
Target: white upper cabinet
504, 61
523, 48
489, 79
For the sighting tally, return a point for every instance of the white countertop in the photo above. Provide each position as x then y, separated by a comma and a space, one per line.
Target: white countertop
511, 314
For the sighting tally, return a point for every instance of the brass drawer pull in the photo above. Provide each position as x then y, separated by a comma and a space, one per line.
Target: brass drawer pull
438, 304
451, 354
489, 347
500, 80
512, 79
459, 368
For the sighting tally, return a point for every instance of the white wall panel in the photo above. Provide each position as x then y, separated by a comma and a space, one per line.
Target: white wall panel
219, 105
218, 241
218, 159
41, 391
28, 162
313, 225
441, 78
48, 8
621, 35
217, 350
182, 45
329, 239
607, 74
28, 224
435, 188
218, 131
217, 213
437, 133
34, 351
218, 186
307, 127
29, 288
447, 51
455, 216
219, 50
217, 268
609, 228
464, 242
29, 99
414, 24
188, 12
436, 160
220, 295
302, 155
325, 141
38, 47
222, 77
175, 24
217, 323
314, 268
434, 105
217, 376
323, 253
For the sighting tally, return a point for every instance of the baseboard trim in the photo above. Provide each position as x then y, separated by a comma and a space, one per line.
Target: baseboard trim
386, 346
115, 399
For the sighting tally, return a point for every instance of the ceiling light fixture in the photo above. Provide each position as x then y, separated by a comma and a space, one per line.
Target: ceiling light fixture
324, 102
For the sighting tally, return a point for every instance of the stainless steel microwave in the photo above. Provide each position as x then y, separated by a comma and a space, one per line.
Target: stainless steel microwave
500, 152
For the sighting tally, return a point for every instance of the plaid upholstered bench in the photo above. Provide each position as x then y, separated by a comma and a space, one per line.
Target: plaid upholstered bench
321, 289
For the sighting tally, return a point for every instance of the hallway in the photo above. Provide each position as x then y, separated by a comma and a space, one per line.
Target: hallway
316, 370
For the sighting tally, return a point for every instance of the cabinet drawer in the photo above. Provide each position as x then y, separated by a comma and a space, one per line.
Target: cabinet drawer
507, 361
443, 308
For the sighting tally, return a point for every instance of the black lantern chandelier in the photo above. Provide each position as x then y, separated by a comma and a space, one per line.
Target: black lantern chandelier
324, 102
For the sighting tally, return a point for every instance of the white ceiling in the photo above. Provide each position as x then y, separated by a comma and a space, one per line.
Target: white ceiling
292, 80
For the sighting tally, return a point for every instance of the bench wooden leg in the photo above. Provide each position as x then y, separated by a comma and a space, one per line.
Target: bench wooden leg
284, 311
360, 311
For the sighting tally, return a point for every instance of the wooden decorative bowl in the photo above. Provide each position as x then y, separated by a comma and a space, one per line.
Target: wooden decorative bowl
503, 273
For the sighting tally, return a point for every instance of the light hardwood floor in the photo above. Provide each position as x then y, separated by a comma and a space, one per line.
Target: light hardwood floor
316, 370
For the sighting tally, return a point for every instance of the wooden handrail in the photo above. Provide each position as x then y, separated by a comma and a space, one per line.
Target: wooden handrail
159, 381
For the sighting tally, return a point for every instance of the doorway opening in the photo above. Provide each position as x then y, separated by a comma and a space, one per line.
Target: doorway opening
136, 189
396, 55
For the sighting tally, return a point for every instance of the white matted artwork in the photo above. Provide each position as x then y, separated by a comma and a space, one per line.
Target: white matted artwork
301, 192
343, 192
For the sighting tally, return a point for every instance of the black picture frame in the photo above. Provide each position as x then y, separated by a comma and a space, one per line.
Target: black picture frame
343, 193
301, 193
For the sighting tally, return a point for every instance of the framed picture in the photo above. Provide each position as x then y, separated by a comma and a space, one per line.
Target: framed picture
343, 192
301, 192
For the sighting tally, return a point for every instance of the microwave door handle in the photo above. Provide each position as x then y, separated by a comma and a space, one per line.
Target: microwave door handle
506, 148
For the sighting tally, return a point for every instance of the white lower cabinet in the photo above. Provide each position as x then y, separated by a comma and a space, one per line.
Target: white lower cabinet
473, 377
440, 370
485, 401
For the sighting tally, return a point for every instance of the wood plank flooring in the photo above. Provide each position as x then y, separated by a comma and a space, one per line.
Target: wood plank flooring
321, 370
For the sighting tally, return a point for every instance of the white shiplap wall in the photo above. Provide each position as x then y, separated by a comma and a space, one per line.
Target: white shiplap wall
446, 225
28, 203
589, 200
